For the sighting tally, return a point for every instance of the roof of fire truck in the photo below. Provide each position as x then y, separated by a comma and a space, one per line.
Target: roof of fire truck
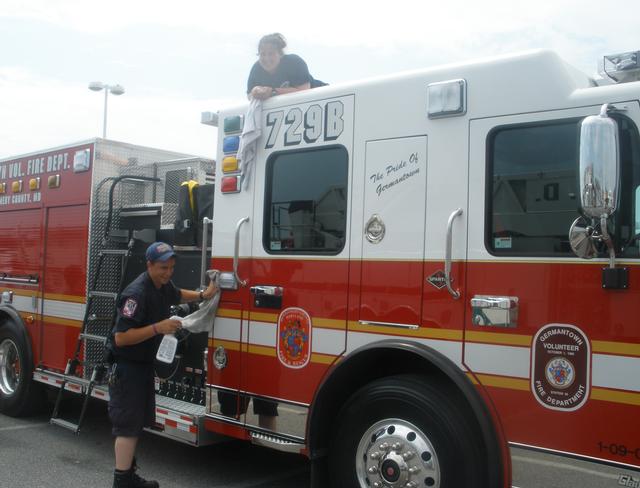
506, 84
174, 154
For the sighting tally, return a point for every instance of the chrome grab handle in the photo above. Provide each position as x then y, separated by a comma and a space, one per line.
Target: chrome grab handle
494, 311
447, 254
275, 291
205, 243
502, 303
236, 251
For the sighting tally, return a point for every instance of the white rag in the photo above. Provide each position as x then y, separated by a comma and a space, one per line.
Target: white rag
248, 148
199, 321
202, 319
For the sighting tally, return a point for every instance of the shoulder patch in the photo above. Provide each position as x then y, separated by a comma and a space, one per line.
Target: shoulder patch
129, 307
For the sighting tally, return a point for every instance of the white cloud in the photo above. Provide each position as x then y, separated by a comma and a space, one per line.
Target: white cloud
40, 112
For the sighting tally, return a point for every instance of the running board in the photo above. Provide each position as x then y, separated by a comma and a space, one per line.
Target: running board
277, 443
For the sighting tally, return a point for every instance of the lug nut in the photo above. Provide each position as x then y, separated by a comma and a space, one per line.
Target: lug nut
411, 484
373, 470
384, 446
408, 455
414, 470
377, 484
375, 455
397, 446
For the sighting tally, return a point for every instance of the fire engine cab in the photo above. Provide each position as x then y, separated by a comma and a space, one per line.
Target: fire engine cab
406, 289
420, 273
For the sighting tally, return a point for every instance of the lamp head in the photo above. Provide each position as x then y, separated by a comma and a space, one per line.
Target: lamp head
116, 89
96, 85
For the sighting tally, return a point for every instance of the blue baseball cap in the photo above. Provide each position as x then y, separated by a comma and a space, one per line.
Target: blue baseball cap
159, 251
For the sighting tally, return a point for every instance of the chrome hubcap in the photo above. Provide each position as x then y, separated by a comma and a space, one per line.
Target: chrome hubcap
394, 453
9, 367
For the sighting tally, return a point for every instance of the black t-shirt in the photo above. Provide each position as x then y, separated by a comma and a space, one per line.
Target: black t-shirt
142, 304
292, 71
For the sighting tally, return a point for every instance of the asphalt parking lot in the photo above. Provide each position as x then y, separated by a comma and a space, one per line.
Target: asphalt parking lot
35, 454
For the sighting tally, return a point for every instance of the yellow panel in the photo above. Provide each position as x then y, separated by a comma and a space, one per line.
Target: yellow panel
229, 164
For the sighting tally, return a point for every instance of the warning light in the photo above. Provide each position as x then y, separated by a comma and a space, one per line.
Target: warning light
230, 184
233, 124
230, 144
34, 184
229, 164
16, 186
54, 181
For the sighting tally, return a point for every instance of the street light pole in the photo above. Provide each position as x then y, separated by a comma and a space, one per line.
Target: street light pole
113, 89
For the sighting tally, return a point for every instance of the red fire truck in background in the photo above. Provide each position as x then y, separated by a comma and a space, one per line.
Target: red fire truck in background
406, 294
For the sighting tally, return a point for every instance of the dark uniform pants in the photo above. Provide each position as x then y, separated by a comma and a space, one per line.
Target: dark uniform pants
132, 398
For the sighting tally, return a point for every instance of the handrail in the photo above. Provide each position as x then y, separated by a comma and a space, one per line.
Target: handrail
236, 252
21, 279
447, 256
205, 243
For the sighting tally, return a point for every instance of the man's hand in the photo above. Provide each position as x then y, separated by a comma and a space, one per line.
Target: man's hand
210, 291
168, 326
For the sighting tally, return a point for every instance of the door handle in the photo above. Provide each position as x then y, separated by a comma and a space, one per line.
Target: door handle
494, 311
267, 296
274, 291
447, 254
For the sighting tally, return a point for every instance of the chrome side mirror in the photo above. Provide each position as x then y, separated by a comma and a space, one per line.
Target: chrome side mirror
582, 239
599, 165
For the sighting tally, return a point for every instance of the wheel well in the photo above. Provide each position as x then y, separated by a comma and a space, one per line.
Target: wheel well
390, 358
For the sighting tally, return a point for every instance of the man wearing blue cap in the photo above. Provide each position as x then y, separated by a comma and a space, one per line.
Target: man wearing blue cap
143, 316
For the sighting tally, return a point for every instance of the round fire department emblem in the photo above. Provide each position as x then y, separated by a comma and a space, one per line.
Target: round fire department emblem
560, 367
294, 338
560, 373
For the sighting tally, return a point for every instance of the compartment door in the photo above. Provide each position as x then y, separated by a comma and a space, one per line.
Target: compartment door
394, 225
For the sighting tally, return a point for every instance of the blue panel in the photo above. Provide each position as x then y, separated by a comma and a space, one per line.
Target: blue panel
230, 144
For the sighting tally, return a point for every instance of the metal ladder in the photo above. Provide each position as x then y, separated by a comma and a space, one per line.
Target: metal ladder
99, 316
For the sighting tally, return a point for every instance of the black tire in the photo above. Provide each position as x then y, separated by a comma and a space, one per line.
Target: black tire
19, 394
406, 413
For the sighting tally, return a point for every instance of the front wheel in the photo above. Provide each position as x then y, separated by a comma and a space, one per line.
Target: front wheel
404, 431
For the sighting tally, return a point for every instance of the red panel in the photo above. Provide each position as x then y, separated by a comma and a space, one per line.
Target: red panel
391, 291
565, 293
74, 187
64, 281
20, 240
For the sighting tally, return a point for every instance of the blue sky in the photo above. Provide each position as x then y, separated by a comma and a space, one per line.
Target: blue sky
177, 59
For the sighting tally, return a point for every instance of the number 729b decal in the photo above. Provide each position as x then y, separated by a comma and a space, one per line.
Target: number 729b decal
315, 124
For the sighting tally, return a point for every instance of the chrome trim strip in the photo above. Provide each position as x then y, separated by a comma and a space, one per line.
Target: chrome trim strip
389, 324
573, 455
256, 395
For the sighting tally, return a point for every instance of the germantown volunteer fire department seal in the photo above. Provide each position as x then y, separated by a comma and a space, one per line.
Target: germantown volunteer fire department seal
560, 367
294, 338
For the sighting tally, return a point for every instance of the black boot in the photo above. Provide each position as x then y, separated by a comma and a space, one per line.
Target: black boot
138, 481
122, 479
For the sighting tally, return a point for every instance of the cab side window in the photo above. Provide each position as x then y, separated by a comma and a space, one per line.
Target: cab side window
532, 189
532, 196
306, 201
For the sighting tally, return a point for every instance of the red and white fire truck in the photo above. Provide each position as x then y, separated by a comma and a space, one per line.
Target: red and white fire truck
419, 272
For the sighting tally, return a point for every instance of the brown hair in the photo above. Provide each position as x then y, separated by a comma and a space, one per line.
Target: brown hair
276, 39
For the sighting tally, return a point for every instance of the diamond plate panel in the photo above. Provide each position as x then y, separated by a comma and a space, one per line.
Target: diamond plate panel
112, 160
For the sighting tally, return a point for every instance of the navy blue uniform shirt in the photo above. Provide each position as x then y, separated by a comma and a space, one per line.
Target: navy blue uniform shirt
142, 304
292, 71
